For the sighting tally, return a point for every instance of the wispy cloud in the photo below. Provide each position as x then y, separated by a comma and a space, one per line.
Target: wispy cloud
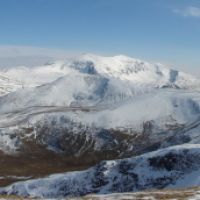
11, 55
190, 11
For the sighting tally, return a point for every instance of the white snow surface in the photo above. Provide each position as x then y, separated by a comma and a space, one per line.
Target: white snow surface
8, 85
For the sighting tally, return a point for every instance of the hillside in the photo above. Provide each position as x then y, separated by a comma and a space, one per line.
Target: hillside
173, 167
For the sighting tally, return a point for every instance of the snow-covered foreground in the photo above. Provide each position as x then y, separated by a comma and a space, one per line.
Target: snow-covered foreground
172, 167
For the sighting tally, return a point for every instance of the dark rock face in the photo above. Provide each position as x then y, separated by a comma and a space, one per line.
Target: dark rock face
86, 67
173, 76
173, 162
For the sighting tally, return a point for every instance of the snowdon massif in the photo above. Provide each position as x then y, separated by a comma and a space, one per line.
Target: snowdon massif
72, 114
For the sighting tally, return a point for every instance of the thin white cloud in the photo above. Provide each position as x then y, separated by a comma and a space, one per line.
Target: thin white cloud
11, 55
17, 51
190, 11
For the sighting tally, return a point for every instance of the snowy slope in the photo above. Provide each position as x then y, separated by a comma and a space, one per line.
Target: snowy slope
134, 70
74, 89
163, 117
8, 85
173, 167
172, 106
35, 76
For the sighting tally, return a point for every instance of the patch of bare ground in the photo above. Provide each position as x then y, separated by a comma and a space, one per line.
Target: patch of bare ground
179, 194
184, 194
36, 161
12, 197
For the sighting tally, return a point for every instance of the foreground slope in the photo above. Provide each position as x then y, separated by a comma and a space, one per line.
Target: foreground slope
184, 194
173, 167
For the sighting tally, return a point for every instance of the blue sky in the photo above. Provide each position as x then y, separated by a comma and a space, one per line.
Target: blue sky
166, 31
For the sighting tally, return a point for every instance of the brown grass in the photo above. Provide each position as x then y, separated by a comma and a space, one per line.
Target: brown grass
148, 195
36, 161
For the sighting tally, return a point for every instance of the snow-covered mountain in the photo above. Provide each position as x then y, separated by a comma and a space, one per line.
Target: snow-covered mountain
120, 67
91, 80
90, 108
